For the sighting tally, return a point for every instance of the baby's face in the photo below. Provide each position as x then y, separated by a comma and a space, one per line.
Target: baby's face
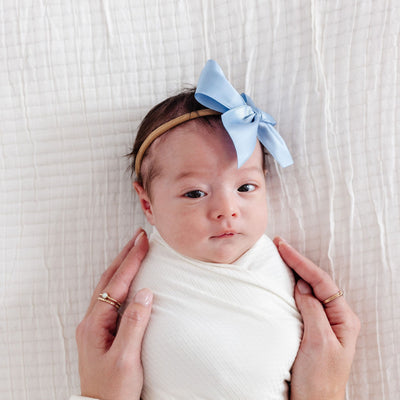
201, 203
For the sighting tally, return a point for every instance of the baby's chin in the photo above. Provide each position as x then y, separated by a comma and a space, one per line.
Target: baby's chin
221, 257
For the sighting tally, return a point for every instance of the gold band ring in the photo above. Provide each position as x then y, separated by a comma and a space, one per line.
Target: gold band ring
108, 299
333, 297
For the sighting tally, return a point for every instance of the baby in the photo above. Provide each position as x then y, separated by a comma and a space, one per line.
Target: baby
224, 323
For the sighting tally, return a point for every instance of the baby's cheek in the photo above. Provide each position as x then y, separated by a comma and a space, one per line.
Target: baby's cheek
261, 218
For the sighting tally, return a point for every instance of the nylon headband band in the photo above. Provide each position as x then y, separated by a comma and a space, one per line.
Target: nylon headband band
166, 127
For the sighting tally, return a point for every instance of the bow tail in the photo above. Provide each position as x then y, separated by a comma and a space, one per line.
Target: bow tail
274, 143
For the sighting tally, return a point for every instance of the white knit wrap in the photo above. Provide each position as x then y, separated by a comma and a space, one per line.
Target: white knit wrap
218, 331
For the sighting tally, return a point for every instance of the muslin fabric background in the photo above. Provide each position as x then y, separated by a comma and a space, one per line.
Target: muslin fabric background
76, 77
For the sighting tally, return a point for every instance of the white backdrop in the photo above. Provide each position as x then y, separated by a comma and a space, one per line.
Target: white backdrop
76, 77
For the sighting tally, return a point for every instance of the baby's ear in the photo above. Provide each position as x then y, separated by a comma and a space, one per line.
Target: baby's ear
144, 202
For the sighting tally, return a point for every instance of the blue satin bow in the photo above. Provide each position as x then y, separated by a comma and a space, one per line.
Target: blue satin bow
241, 118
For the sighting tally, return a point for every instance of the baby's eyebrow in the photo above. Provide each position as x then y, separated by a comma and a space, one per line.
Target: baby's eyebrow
202, 172
187, 174
253, 168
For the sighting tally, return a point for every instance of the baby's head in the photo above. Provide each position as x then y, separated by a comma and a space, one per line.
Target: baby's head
191, 189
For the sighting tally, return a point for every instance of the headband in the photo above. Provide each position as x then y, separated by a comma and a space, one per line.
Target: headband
166, 127
243, 121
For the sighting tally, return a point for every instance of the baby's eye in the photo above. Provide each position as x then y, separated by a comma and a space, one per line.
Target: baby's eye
247, 187
195, 194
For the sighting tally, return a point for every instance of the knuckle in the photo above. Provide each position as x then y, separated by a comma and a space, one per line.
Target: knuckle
320, 341
80, 331
313, 304
85, 330
127, 362
134, 315
123, 279
323, 278
104, 275
354, 324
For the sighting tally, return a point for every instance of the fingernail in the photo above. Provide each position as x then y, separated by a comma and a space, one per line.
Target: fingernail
304, 288
139, 237
144, 297
278, 240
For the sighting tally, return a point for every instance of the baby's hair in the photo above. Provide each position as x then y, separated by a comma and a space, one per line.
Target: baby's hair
172, 107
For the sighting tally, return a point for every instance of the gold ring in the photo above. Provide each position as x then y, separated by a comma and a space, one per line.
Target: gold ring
108, 299
333, 297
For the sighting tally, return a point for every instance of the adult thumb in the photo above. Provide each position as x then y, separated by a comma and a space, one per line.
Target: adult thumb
133, 324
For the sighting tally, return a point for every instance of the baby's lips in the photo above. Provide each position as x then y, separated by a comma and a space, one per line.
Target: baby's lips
224, 234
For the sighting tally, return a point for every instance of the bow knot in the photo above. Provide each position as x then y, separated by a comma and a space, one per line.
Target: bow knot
244, 122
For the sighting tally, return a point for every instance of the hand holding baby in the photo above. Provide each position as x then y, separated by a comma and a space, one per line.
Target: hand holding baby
322, 366
109, 362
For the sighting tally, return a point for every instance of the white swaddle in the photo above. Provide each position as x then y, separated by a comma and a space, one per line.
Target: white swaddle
218, 331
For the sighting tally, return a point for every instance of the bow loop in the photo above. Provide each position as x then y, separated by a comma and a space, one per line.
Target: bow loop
243, 121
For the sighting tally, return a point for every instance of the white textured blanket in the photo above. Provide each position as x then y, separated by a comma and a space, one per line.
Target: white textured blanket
76, 79
218, 331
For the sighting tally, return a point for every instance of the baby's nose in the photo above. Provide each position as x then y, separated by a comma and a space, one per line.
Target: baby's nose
225, 206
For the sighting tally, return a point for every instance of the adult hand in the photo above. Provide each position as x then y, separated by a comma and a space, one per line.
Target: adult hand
109, 361
322, 366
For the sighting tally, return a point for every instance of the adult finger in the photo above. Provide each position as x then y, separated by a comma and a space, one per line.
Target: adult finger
343, 321
317, 329
133, 325
322, 284
110, 271
119, 284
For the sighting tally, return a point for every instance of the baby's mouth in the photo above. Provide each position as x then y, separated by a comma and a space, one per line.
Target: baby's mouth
224, 235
